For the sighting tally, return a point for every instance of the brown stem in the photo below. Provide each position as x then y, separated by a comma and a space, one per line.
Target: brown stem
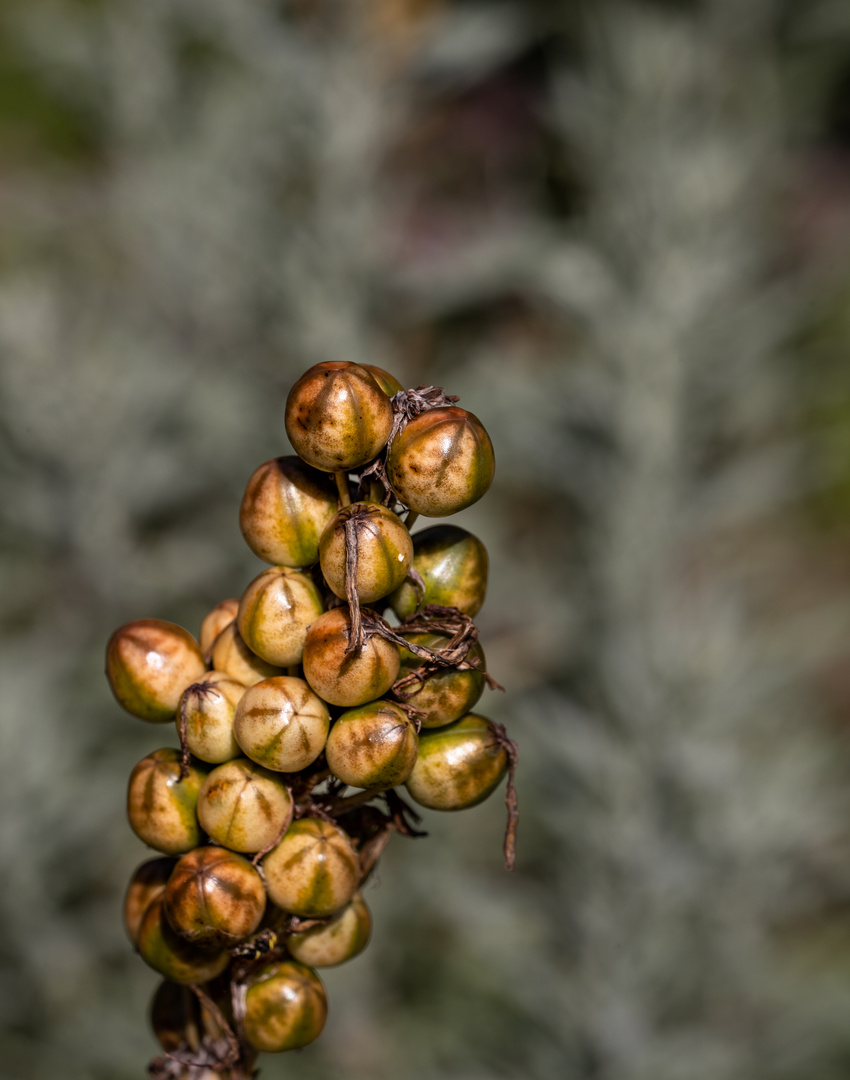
351, 802
512, 751
342, 487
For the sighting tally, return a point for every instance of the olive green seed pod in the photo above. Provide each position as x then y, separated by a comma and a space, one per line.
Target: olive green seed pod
388, 383
214, 897
161, 805
362, 676
344, 937
373, 746
243, 806
222, 615
453, 564
448, 694
337, 417
285, 1007
208, 708
172, 955
281, 724
148, 882
231, 655
284, 510
313, 871
441, 462
274, 613
149, 663
458, 765
384, 551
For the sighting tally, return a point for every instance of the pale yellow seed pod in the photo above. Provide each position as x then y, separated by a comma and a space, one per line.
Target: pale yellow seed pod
208, 708
344, 937
313, 871
384, 551
281, 724
231, 655
221, 615
243, 806
149, 663
274, 613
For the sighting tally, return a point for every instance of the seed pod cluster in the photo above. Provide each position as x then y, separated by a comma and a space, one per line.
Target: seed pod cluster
296, 692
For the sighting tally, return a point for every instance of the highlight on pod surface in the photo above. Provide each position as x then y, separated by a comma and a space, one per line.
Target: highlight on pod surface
314, 713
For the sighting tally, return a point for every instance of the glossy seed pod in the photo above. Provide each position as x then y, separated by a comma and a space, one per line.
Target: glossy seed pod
209, 707
337, 417
373, 746
222, 615
453, 564
172, 955
365, 675
285, 1007
214, 897
441, 462
388, 383
281, 724
447, 694
274, 613
231, 655
344, 937
161, 806
458, 765
243, 806
285, 508
149, 663
313, 871
148, 882
384, 556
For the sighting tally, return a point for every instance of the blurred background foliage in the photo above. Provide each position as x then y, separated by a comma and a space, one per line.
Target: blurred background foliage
620, 231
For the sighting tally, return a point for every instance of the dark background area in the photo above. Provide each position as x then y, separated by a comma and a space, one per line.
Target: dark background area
620, 231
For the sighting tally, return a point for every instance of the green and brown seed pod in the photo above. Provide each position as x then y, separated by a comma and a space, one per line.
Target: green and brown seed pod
231, 655
373, 746
243, 806
148, 882
208, 708
285, 1007
281, 724
388, 383
214, 897
172, 955
458, 765
362, 676
161, 805
274, 613
449, 693
337, 417
453, 564
441, 462
344, 937
313, 871
384, 551
285, 508
222, 615
149, 663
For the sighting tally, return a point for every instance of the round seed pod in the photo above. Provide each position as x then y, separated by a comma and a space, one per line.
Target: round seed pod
344, 937
214, 897
458, 765
313, 871
337, 417
441, 462
281, 724
209, 707
285, 507
243, 806
385, 551
231, 655
388, 383
172, 955
274, 613
448, 694
161, 806
148, 882
373, 746
221, 616
453, 564
149, 663
363, 676
285, 1007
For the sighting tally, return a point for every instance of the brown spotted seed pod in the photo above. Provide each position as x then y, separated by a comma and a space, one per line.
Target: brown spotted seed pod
448, 694
231, 655
313, 871
221, 615
214, 897
207, 708
285, 1007
453, 565
172, 955
384, 551
148, 882
345, 936
149, 663
337, 417
281, 724
243, 806
373, 746
441, 462
274, 613
362, 676
161, 805
458, 765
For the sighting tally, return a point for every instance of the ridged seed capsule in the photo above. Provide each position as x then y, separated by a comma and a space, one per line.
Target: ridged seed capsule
458, 765
243, 806
149, 663
448, 693
222, 615
384, 551
231, 655
453, 565
352, 679
274, 613
206, 714
313, 871
285, 1007
373, 746
281, 724
161, 804
214, 897
345, 936
172, 955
